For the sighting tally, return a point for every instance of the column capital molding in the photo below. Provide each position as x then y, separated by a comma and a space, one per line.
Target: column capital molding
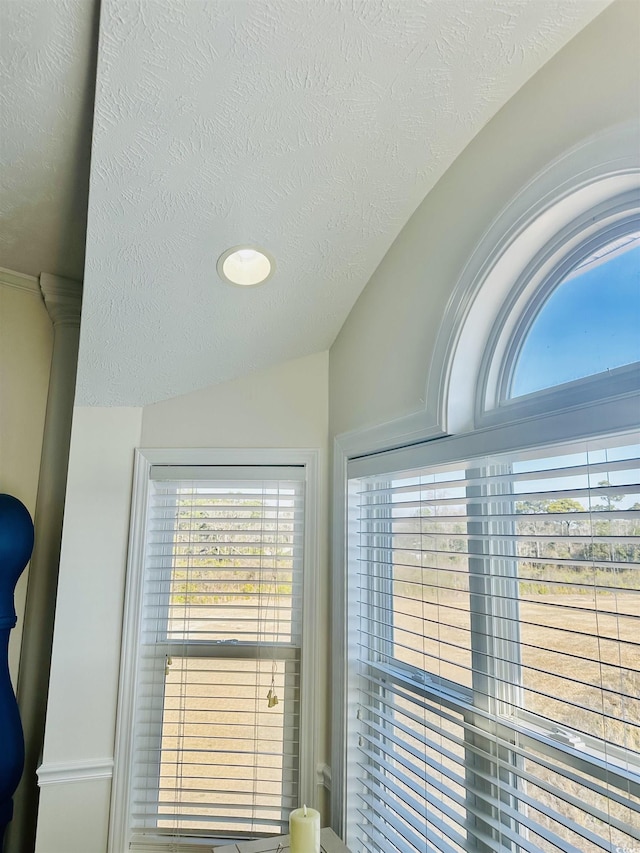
62, 298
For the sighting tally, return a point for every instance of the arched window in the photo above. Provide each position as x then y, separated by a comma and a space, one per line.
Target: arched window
493, 664
578, 215
587, 324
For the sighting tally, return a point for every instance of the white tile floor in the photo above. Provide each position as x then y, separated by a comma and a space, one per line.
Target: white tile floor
329, 843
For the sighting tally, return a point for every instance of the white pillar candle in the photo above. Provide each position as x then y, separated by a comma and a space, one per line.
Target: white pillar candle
304, 829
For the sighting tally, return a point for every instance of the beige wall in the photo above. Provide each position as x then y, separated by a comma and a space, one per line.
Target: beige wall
26, 339
380, 361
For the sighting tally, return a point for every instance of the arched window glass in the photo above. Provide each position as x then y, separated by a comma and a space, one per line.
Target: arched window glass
589, 324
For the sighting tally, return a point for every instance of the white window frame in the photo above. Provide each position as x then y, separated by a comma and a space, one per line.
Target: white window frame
119, 825
464, 398
591, 190
523, 729
613, 218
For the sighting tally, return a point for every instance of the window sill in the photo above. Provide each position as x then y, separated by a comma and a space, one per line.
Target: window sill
329, 843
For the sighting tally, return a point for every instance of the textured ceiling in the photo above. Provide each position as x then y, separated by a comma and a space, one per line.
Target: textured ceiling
311, 127
47, 70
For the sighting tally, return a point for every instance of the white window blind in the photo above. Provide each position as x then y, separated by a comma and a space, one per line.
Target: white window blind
495, 678
215, 745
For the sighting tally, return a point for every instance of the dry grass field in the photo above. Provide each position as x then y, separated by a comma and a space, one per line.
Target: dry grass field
223, 749
577, 673
215, 732
224, 716
574, 672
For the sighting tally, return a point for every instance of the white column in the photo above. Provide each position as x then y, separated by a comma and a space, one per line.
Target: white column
63, 301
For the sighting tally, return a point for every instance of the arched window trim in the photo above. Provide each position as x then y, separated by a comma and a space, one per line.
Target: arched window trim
608, 234
577, 199
571, 245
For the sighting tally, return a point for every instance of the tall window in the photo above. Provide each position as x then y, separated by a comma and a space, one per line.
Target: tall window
493, 673
216, 600
498, 676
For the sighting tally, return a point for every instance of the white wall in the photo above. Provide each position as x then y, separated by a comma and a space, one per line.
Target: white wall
26, 339
86, 647
380, 361
285, 406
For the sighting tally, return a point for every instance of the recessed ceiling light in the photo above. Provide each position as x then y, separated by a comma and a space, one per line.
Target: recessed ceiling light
245, 265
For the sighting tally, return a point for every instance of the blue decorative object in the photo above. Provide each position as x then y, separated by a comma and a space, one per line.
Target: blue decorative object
16, 544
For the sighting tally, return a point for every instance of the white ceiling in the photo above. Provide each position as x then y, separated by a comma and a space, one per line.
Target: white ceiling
310, 127
47, 71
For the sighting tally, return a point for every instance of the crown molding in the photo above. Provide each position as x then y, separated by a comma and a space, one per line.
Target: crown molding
63, 299
19, 281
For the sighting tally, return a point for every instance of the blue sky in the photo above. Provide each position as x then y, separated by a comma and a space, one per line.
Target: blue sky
590, 323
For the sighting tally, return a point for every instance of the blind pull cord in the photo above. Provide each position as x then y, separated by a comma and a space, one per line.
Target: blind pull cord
272, 698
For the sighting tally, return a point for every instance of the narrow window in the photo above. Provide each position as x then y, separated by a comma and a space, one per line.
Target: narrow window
215, 744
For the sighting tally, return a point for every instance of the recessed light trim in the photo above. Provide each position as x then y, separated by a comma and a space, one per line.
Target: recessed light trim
245, 266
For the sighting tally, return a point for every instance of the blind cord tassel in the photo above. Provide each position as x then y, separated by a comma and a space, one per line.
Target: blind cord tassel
272, 698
